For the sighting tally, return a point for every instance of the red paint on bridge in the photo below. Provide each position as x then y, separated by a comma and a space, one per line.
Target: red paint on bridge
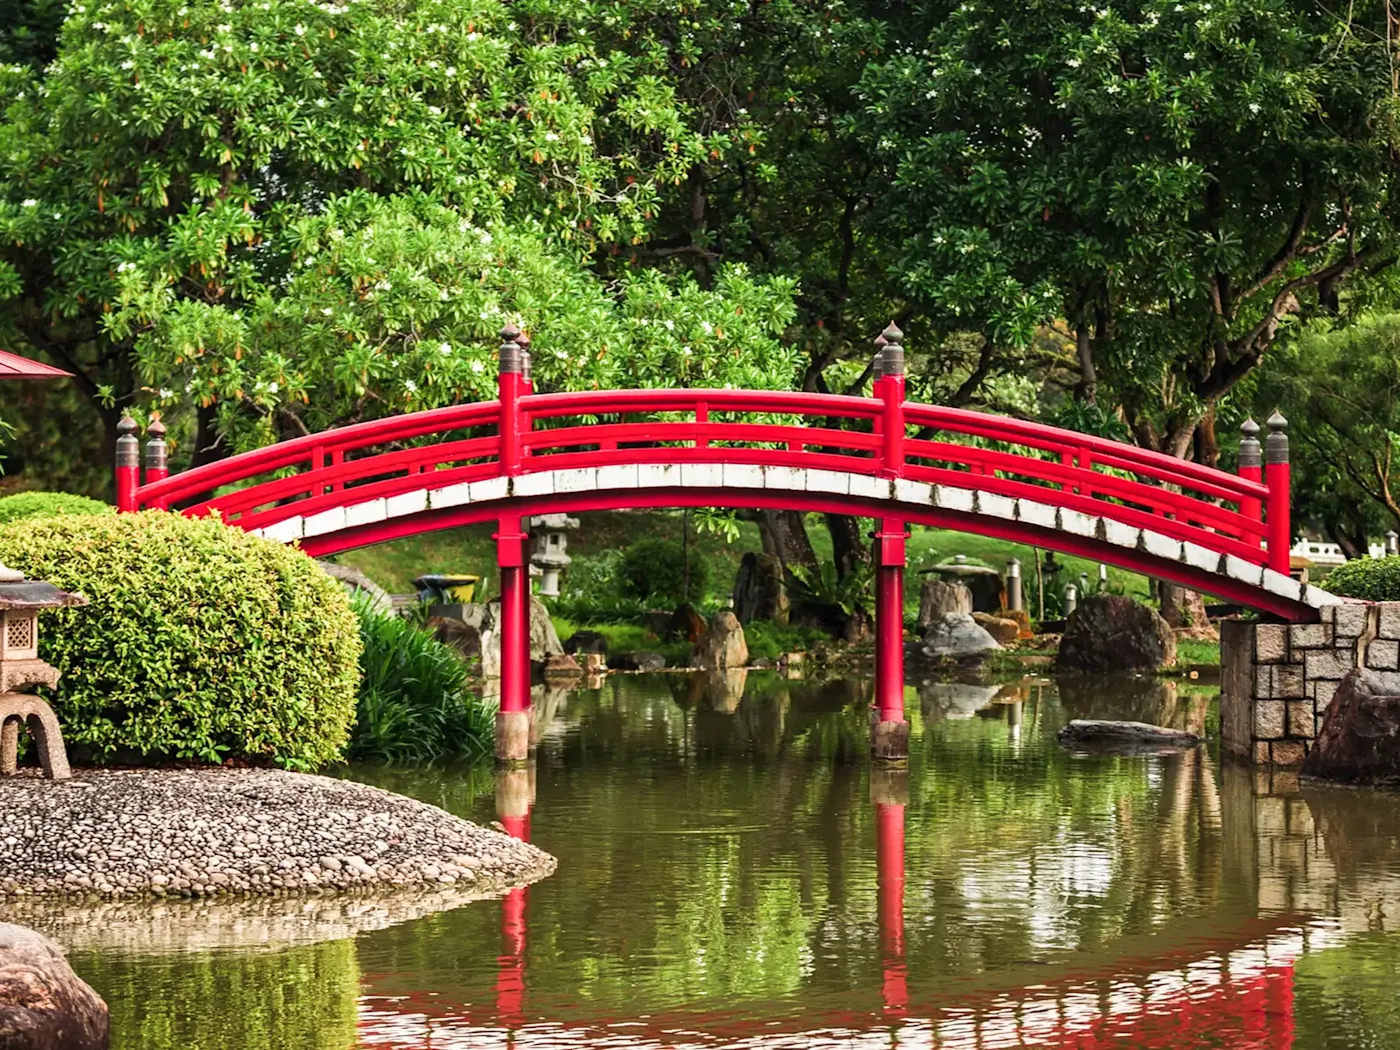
880, 457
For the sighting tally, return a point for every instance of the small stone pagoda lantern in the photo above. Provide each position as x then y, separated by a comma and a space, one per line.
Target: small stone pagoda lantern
551, 547
20, 666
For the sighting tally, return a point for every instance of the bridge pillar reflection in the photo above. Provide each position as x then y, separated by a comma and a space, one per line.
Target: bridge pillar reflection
515, 793
889, 791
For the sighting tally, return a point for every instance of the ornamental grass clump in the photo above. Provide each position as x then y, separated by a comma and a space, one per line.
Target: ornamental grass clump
1373, 579
414, 702
201, 643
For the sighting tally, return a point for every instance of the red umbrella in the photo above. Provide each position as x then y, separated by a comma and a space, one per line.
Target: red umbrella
12, 366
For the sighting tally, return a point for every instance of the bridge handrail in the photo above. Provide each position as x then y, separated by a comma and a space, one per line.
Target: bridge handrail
680, 399
288, 453
1157, 465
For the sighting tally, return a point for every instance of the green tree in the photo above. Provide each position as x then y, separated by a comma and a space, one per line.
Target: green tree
191, 194
1340, 390
1182, 183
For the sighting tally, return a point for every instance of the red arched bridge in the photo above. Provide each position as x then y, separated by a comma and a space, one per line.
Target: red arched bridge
880, 457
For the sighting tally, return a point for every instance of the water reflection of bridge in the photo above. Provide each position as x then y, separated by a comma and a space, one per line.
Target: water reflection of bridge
1176, 988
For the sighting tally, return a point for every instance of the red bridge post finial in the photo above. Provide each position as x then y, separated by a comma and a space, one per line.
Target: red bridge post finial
1251, 467
156, 467
889, 388
128, 464
1277, 478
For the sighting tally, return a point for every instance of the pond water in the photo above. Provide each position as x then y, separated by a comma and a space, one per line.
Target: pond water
732, 874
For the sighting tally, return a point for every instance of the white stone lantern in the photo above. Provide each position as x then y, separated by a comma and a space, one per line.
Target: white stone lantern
550, 552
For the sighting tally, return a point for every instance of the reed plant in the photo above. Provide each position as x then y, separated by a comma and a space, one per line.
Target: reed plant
415, 704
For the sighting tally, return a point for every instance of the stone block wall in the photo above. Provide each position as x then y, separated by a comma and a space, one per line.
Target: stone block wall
1277, 679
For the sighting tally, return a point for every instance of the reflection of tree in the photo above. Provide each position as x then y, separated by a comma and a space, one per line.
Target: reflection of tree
301, 997
709, 858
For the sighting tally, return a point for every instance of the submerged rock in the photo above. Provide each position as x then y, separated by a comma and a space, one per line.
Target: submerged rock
956, 636
1359, 742
1109, 632
1124, 734
44, 1005
640, 660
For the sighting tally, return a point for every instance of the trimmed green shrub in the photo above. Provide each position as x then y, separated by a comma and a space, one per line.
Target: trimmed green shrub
28, 504
201, 642
655, 568
414, 704
1375, 579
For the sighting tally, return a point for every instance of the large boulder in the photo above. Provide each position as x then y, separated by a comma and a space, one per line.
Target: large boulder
586, 642
723, 646
760, 590
1359, 742
685, 625
1005, 631
1109, 632
544, 640
937, 597
44, 1005
357, 583
957, 636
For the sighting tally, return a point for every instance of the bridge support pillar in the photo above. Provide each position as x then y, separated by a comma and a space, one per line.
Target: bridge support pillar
889, 731
513, 718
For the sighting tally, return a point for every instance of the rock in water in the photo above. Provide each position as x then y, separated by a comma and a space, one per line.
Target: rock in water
760, 591
544, 640
639, 660
1109, 632
937, 597
1359, 742
44, 1005
723, 646
958, 635
1124, 734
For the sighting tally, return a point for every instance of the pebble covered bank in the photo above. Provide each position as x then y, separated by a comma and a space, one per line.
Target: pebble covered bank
218, 832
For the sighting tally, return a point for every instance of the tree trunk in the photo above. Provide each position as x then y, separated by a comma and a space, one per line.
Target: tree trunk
1183, 609
1206, 447
847, 548
1087, 387
784, 534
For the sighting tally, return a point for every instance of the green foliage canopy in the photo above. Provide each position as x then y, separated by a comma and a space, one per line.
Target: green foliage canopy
246, 208
1180, 182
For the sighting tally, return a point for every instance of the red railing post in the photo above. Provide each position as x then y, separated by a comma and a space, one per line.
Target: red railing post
1251, 468
510, 381
128, 465
1280, 499
156, 468
889, 389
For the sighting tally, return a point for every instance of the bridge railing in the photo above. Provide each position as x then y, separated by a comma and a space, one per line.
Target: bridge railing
523, 432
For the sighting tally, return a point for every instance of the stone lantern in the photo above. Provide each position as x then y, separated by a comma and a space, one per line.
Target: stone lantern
20, 603
551, 549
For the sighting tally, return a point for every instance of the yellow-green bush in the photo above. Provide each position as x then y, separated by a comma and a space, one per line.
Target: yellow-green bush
201, 642
29, 504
